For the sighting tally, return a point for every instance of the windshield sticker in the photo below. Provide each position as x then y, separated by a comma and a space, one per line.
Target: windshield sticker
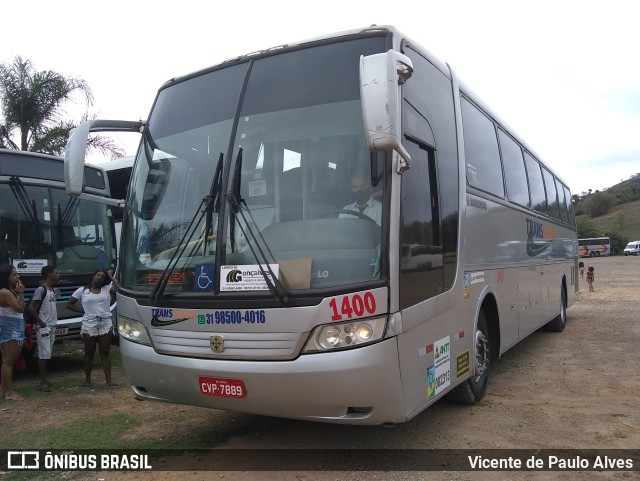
245, 278
29, 266
204, 278
472, 174
257, 188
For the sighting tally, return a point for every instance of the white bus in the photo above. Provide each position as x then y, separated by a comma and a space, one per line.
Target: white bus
41, 225
261, 274
594, 247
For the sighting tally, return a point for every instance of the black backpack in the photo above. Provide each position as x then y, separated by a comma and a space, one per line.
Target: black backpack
26, 314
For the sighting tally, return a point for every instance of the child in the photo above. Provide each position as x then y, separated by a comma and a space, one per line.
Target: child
590, 277
581, 266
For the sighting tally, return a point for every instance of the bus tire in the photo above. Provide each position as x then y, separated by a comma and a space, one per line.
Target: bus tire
558, 323
473, 389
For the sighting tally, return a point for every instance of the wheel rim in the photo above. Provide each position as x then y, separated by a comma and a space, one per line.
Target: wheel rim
482, 354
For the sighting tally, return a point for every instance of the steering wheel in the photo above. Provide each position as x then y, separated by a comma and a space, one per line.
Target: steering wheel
349, 212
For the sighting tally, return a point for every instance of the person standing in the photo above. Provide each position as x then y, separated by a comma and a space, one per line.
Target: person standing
44, 311
591, 276
11, 327
97, 327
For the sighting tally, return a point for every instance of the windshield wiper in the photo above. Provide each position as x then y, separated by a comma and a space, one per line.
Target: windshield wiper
27, 205
236, 203
203, 209
69, 210
214, 205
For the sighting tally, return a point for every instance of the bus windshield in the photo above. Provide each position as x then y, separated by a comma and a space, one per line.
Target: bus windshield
41, 225
285, 179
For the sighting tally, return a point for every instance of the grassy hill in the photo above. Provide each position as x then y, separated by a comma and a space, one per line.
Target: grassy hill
623, 219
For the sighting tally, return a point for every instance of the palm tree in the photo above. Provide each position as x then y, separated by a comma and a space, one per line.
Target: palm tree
32, 109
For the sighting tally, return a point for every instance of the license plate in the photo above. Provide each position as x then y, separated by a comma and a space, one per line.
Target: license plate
61, 331
221, 387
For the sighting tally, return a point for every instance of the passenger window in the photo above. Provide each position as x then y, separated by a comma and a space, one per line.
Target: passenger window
536, 185
552, 195
572, 218
514, 171
484, 170
564, 212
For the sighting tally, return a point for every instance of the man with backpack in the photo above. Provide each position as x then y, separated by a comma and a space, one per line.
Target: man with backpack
45, 317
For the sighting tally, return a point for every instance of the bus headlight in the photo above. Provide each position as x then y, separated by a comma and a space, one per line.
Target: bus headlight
133, 331
346, 335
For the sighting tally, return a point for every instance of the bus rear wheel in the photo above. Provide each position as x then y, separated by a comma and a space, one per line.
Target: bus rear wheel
558, 323
473, 389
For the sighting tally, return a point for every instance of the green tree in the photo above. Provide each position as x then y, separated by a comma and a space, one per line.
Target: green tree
32, 110
618, 242
586, 228
598, 204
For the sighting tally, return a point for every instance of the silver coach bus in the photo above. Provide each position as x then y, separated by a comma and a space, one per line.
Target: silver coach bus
276, 205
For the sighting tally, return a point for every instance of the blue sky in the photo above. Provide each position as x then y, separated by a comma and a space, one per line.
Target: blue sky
564, 74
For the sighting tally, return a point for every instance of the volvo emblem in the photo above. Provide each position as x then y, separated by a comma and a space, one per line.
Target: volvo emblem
217, 344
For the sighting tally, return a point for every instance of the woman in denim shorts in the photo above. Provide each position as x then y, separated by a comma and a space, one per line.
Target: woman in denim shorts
11, 327
97, 327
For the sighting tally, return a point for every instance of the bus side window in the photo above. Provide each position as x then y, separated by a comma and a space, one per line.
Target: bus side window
421, 258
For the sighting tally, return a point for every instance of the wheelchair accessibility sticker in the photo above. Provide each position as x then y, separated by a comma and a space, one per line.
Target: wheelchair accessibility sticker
204, 278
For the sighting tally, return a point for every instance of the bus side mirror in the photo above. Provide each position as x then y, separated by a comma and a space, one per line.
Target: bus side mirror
75, 150
380, 78
74, 153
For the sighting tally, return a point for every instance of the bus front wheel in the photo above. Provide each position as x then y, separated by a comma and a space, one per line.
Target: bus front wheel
473, 389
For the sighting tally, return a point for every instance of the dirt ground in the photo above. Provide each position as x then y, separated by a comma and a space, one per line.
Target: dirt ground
576, 389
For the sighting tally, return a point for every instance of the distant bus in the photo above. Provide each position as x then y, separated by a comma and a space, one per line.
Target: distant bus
41, 225
279, 256
594, 247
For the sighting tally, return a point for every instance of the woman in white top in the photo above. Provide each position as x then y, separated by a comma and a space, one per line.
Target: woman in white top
11, 327
97, 327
